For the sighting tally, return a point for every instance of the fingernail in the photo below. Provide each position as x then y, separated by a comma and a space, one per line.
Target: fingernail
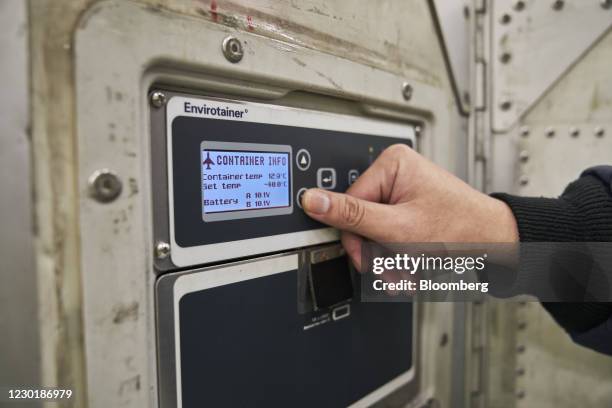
316, 202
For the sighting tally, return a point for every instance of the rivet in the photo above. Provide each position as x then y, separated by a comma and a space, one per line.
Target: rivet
505, 18
524, 156
104, 186
523, 180
505, 105
524, 131
505, 57
162, 250
232, 49
600, 131
519, 5
550, 131
558, 4
407, 91
574, 132
158, 99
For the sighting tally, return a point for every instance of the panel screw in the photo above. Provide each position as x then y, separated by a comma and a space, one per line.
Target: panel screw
407, 91
574, 132
519, 5
232, 49
104, 186
558, 4
524, 131
162, 250
550, 131
599, 131
523, 180
505, 57
505, 105
524, 156
606, 4
158, 99
417, 131
505, 18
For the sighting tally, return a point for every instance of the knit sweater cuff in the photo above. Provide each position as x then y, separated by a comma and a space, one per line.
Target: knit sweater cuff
582, 213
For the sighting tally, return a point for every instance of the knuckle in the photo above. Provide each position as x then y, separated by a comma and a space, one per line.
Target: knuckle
353, 211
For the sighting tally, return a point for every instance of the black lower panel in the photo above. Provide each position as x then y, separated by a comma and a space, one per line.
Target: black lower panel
244, 345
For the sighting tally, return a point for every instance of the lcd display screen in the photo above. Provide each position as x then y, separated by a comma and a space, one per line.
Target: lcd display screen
242, 180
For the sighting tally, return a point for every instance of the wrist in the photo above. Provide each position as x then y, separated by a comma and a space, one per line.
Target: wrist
498, 223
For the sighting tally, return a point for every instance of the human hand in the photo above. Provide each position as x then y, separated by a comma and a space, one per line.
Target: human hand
403, 197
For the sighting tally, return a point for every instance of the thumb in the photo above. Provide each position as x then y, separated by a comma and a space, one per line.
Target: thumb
368, 219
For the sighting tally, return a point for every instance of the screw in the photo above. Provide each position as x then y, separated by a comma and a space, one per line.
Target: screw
505, 18
520, 349
558, 4
574, 132
522, 325
524, 156
524, 131
162, 250
407, 91
505, 105
520, 371
417, 131
606, 4
104, 186
523, 180
599, 131
158, 99
520, 394
232, 49
519, 5
505, 57
550, 131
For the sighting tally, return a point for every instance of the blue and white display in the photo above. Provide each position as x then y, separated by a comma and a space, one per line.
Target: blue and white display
244, 180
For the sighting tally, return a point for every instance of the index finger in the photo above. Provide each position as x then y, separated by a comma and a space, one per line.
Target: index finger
376, 183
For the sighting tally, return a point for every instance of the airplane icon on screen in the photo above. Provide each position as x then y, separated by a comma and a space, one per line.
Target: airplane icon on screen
208, 161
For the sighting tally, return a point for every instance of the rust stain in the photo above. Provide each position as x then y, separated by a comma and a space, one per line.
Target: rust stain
125, 312
130, 385
213, 10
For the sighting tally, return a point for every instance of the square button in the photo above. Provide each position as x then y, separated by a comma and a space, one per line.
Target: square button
326, 178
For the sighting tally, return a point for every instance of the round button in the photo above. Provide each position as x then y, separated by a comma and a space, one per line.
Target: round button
302, 159
299, 195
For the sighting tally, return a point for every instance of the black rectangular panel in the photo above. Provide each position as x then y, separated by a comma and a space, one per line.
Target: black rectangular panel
245, 345
341, 151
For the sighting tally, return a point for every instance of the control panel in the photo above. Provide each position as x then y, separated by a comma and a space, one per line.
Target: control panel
236, 172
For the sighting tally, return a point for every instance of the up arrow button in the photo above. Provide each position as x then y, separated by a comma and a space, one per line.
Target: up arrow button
302, 159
